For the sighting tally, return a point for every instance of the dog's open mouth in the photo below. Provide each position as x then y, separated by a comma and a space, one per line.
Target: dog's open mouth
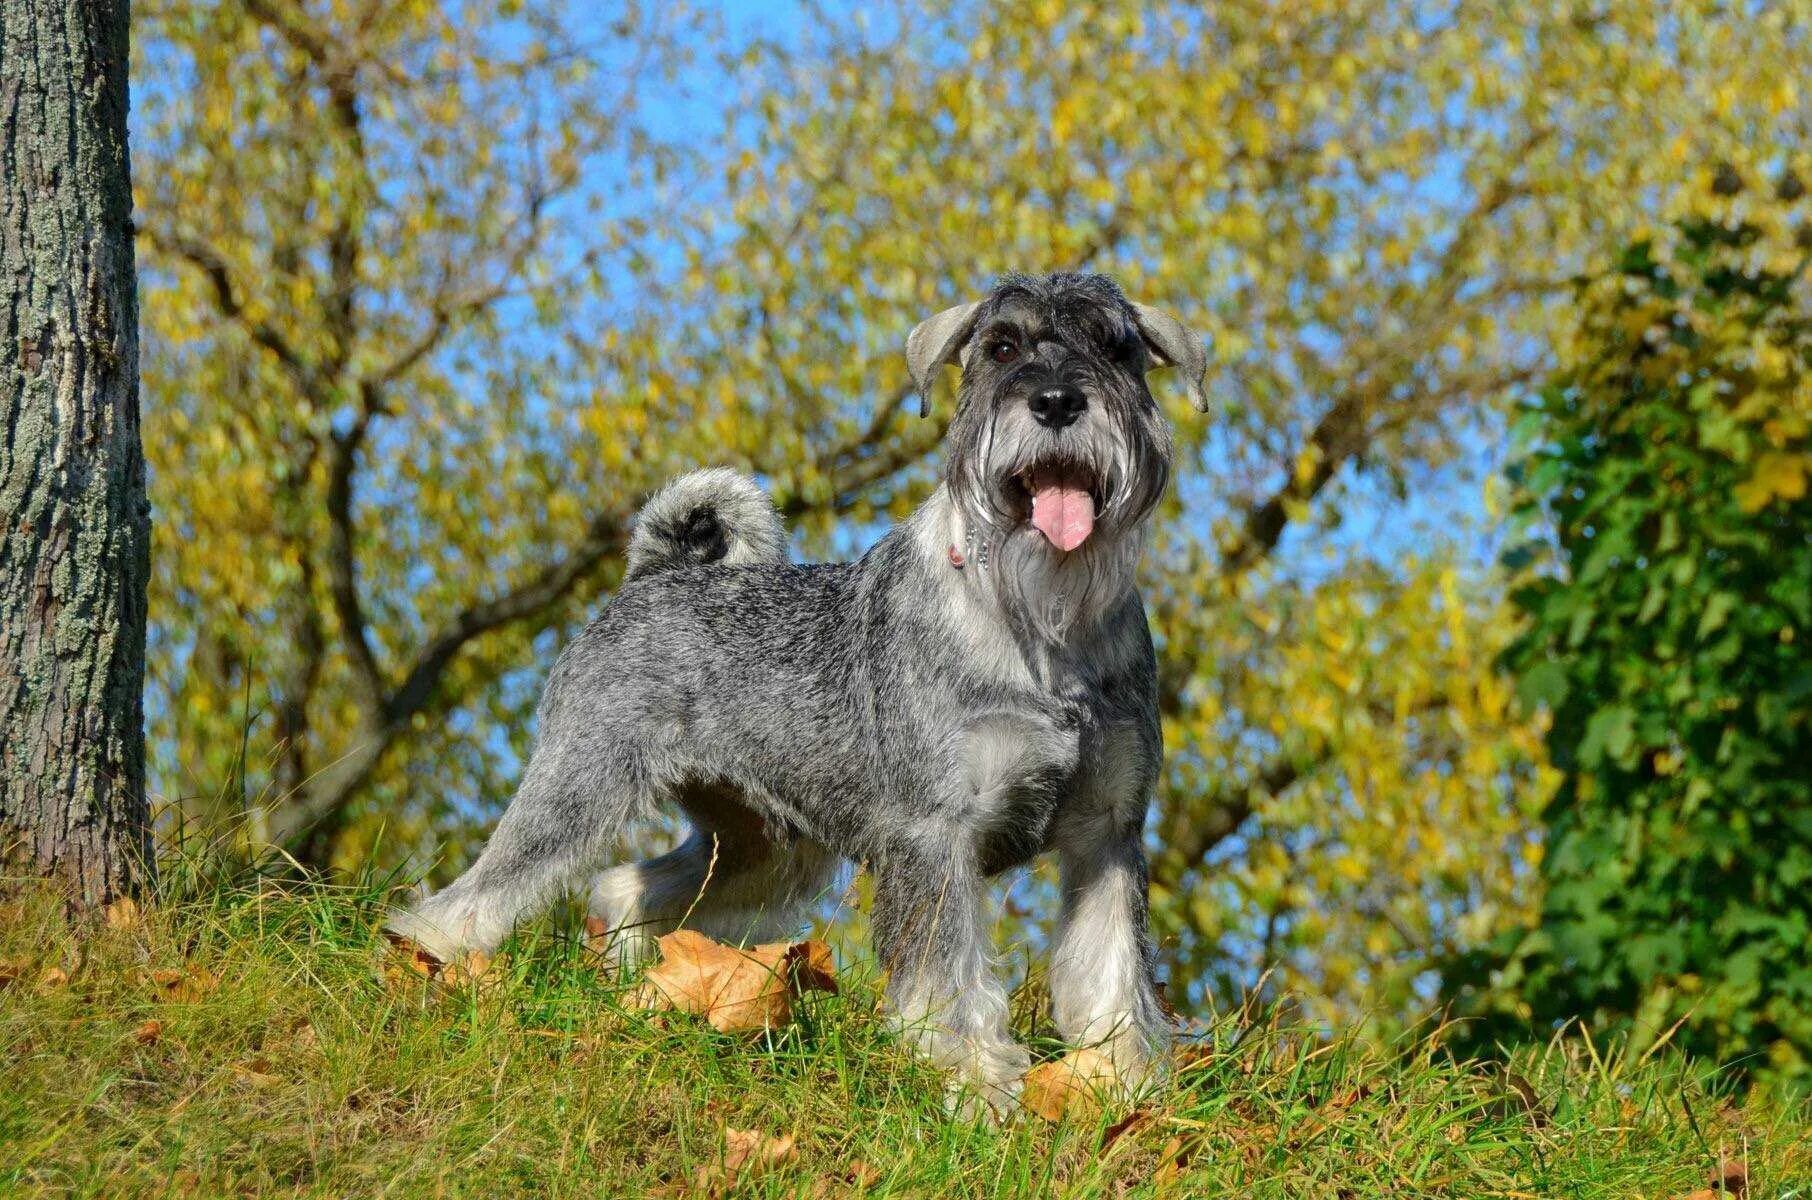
1064, 499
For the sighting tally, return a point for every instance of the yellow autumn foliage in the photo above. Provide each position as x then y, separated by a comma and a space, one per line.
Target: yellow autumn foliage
435, 293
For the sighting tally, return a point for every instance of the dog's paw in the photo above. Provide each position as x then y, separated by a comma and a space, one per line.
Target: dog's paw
987, 1085
971, 1098
411, 927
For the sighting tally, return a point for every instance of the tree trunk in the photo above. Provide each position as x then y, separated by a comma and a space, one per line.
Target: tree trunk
74, 549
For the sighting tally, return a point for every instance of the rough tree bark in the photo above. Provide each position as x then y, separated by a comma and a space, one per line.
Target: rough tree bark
74, 549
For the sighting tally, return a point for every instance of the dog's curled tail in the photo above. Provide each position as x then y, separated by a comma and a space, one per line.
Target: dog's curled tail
714, 516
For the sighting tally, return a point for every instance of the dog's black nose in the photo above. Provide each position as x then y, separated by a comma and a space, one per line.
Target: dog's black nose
1057, 406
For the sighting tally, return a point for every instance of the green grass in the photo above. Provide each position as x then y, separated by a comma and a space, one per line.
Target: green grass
303, 1071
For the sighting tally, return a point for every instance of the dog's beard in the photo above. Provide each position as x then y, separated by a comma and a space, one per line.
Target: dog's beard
1059, 522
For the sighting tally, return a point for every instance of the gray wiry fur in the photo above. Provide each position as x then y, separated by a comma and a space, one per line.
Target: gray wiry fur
714, 516
938, 723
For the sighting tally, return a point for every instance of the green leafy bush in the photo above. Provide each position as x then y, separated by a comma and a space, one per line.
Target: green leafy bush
1668, 599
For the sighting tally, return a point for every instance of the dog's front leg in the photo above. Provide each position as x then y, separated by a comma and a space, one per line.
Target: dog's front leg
1103, 988
931, 936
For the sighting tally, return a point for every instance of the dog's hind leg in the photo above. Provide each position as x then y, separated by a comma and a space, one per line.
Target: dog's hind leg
727, 880
560, 823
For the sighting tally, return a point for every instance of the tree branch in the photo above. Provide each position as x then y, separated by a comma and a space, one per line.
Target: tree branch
334, 786
604, 538
1341, 434
342, 571
1188, 836
228, 299
447, 311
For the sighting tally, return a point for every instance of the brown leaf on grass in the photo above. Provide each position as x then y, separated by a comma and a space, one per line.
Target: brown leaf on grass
736, 990
184, 985
123, 913
1173, 1160
855, 1180
148, 1033
1346, 1099
407, 962
1075, 1085
1132, 1122
1730, 1178
469, 968
746, 1152
810, 968
53, 977
1732, 1175
257, 1073
1193, 1056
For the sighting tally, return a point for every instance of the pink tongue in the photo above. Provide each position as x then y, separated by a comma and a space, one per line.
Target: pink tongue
1065, 515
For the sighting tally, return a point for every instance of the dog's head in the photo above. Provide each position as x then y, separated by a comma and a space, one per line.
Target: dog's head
1057, 451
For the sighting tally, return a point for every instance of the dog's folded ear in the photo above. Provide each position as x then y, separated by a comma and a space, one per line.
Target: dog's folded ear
1174, 344
935, 343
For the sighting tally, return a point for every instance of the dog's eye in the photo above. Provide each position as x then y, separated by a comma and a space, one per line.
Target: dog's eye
1003, 351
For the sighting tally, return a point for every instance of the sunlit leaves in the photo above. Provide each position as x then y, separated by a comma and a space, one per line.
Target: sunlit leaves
465, 241
1670, 591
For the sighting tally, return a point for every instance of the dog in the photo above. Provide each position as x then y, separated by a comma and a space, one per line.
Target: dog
978, 688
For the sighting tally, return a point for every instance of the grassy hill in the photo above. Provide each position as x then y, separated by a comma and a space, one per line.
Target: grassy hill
245, 1041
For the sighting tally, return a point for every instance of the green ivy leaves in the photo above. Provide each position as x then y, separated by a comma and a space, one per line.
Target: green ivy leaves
1666, 601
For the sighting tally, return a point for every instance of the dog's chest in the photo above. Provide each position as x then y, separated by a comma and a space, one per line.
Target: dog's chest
1018, 766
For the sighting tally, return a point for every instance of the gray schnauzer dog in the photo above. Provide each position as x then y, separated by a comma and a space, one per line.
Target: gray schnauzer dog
978, 688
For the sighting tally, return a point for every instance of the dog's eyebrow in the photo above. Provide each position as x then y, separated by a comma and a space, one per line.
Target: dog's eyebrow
1013, 323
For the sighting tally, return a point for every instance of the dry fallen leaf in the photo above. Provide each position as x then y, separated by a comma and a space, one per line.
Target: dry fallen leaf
408, 962
1191, 1056
148, 1033
187, 984
1173, 1160
417, 959
257, 1072
1133, 1121
853, 1181
1731, 1178
122, 913
471, 967
810, 968
746, 1152
1074, 1085
734, 989
53, 977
